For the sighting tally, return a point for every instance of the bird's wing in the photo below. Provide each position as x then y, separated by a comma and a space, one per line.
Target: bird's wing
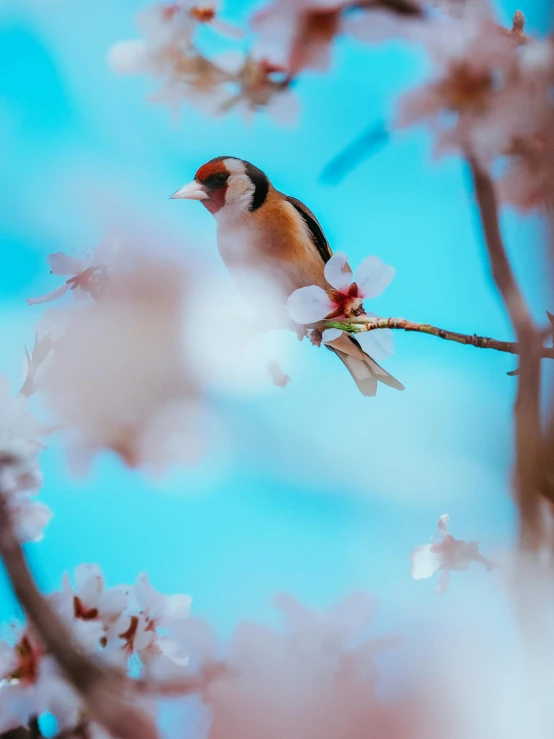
318, 237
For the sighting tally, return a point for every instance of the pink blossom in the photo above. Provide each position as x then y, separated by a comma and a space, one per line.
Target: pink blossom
297, 34
169, 53
315, 680
474, 66
90, 609
30, 684
345, 299
87, 274
148, 627
445, 555
119, 377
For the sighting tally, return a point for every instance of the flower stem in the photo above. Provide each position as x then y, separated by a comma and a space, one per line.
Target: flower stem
366, 323
102, 688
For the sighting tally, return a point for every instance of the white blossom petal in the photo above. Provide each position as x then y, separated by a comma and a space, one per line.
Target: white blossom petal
62, 264
372, 276
338, 272
330, 334
309, 305
425, 562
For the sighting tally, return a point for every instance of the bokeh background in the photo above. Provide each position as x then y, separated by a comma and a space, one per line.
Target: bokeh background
309, 489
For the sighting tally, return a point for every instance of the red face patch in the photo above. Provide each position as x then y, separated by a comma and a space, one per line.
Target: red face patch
214, 176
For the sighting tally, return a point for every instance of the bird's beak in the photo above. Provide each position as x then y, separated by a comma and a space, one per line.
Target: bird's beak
193, 191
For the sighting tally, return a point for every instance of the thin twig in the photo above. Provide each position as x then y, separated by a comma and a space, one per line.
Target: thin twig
529, 464
367, 323
101, 688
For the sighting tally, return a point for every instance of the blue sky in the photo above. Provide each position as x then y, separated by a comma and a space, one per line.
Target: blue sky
311, 489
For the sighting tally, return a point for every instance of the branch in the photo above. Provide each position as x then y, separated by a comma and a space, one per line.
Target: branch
367, 323
529, 455
102, 688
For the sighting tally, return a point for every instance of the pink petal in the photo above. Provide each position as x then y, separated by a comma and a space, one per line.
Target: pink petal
309, 305
62, 264
330, 334
425, 562
373, 276
49, 296
337, 272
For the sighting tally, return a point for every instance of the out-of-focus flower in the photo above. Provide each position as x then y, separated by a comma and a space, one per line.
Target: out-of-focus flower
344, 300
118, 374
491, 99
216, 85
87, 274
315, 681
20, 475
473, 64
445, 555
297, 34
30, 685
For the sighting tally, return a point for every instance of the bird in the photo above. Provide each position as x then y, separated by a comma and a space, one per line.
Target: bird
262, 230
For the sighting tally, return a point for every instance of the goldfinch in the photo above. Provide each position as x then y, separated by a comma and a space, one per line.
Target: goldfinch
261, 230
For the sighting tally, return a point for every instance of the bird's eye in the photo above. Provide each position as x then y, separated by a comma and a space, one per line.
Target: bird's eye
221, 177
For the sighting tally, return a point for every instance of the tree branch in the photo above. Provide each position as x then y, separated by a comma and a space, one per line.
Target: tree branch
367, 323
529, 463
102, 688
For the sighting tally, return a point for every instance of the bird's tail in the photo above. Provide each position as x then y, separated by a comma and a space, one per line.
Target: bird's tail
364, 370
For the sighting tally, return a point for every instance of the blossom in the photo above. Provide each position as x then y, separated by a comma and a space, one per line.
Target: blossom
90, 609
168, 52
474, 65
87, 274
297, 34
20, 475
490, 98
148, 627
30, 684
445, 555
344, 300
119, 377
313, 680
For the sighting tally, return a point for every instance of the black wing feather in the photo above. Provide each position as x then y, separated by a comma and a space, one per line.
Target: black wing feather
316, 231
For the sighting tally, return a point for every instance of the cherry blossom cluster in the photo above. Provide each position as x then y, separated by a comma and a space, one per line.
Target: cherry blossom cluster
133, 627
169, 52
490, 98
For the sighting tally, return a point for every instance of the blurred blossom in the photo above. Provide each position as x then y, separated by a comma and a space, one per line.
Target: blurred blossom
345, 300
490, 98
445, 555
20, 475
227, 81
296, 34
118, 375
89, 275
315, 680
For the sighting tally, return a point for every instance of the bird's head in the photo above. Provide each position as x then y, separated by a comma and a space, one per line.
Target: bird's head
227, 185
